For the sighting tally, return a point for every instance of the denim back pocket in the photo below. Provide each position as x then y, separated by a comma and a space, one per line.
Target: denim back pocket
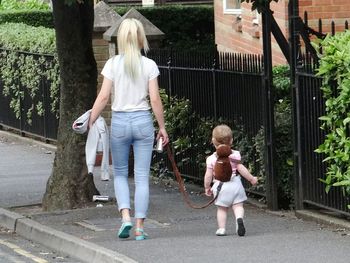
144, 130
118, 130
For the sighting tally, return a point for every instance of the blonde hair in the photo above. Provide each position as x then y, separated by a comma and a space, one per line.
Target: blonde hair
222, 134
131, 39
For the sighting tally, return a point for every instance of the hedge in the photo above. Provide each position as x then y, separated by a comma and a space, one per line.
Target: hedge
30, 17
186, 27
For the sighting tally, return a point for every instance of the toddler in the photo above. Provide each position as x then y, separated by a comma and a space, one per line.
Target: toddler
232, 193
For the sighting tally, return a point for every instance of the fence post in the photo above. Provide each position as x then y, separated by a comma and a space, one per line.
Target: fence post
293, 13
214, 67
169, 75
46, 97
268, 100
22, 115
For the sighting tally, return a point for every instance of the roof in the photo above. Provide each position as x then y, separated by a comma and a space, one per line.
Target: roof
151, 31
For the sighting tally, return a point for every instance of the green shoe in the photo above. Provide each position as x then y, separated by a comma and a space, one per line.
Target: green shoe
124, 230
143, 235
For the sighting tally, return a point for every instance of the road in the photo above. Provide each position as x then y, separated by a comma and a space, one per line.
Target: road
15, 249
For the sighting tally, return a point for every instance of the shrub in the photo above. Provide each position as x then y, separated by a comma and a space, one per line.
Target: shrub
21, 73
334, 69
281, 82
283, 155
185, 27
30, 17
31, 12
18, 36
23, 5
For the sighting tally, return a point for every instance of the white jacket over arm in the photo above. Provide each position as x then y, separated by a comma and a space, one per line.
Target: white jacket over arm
98, 134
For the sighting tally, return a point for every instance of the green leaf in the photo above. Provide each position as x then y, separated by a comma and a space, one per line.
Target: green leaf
346, 120
325, 118
342, 183
340, 131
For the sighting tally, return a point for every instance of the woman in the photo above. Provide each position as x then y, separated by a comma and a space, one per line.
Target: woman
131, 78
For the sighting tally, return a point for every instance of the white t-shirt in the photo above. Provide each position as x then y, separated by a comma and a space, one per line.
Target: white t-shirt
128, 95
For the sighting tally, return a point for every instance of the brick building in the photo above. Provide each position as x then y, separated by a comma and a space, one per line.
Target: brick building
238, 29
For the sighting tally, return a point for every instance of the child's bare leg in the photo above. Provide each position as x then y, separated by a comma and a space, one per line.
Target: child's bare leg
238, 211
221, 216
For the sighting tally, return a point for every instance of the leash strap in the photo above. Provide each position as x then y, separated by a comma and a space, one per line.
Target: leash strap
182, 186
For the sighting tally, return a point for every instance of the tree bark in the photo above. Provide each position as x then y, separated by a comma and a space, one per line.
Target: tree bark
69, 185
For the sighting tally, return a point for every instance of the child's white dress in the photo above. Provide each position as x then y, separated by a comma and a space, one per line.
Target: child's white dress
232, 192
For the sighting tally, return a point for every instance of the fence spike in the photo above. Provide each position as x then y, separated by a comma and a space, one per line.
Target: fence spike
306, 18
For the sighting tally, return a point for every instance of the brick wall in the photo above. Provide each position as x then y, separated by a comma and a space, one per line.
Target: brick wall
234, 33
327, 10
246, 37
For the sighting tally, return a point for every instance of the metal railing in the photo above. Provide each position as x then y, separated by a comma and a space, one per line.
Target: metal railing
309, 106
43, 126
218, 85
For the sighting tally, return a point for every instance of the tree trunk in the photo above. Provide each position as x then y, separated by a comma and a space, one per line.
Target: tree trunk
69, 185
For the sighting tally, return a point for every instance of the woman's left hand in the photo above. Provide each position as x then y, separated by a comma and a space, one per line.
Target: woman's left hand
164, 135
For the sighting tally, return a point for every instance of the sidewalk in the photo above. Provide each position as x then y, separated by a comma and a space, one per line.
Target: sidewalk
179, 233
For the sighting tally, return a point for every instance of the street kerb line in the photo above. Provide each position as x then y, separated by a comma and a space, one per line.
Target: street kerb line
59, 241
22, 252
68, 244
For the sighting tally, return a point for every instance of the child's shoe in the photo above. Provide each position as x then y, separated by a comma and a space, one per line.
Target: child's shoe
240, 229
221, 232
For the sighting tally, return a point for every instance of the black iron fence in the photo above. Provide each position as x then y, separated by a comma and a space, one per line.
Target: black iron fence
222, 85
309, 107
219, 85
43, 125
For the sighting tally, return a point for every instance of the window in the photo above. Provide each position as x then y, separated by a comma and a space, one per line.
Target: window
232, 7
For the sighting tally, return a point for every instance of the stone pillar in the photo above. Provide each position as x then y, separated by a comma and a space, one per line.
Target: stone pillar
105, 16
153, 34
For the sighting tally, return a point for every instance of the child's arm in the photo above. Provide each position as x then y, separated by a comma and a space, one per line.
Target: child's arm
246, 174
208, 178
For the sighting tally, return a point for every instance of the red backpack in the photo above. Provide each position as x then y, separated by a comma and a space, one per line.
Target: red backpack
222, 167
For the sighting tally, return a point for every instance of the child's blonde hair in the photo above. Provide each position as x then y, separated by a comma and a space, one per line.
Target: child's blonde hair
131, 39
222, 134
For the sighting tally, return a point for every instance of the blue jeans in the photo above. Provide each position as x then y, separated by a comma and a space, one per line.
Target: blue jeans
132, 128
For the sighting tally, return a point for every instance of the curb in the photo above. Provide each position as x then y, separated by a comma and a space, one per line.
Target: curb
9, 219
29, 140
59, 241
322, 219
